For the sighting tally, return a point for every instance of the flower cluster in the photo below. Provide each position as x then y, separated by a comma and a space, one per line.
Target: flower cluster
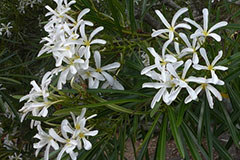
73, 50
78, 139
25, 3
174, 72
5, 29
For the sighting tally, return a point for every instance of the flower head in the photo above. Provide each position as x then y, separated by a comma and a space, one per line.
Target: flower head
204, 31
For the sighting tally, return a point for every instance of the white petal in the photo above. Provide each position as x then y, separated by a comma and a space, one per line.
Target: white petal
153, 85
193, 23
98, 41
196, 79
60, 154
220, 53
215, 92
191, 92
73, 69
209, 98
54, 135
218, 25
54, 144
172, 70
195, 58
204, 55
178, 14
87, 144
82, 13
200, 67
215, 36
111, 66
97, 59
117, 85
82, 32
108, 77
46, 153
163, 19
159, 32
165, 46
147, 69
214, 77
222, 68
95, 32
170, 58
176, 47
197, 34
91, 133
189, 98
35, 86
187, 65
205, 19
183, 25
154, 53
174, 94
157, 97
185, 39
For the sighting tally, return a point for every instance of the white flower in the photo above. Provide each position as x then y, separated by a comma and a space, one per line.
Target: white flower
164, 82
7, 143
170, 28
182, 82
102, 70
15, 157
160, 61
205, 31
211, 67
206, 85
45, 140
87, 42
6, 28
37, 91
191, 48
93, 77
37, 101
116, 84
80, 132
70, 144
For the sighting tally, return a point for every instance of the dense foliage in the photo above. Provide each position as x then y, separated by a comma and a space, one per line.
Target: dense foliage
82, 103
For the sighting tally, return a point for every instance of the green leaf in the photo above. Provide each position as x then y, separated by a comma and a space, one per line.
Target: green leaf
130, 8
183, 107
190, 143
200, 123
144, 144
234, 97
175, 131
115, 13
7, 98
161, 145
208, 129
221, 150
230, 125
109, 104
9, 80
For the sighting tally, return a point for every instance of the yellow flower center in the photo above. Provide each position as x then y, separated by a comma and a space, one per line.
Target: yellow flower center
67, 48
171, 29
81, 135
77, 127
87, 43
99, 70
204, 85
88, 74
205, 33
210, 67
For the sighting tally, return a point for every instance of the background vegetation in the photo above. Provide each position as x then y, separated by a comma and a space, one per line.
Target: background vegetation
122, 115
